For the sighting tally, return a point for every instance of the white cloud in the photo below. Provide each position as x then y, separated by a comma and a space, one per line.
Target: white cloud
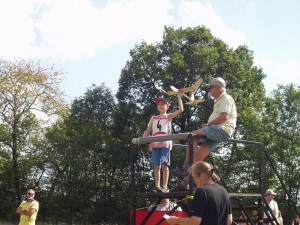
195, 13
136, 19
76, 29
278, 72
16, 28
71, 29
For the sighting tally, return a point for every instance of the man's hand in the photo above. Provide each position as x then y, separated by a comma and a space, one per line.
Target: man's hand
25, 211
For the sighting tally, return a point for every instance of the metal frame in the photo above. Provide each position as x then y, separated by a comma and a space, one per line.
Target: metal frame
188, 136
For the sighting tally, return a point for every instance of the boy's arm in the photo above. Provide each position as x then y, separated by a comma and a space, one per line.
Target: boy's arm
180, 107
148, 130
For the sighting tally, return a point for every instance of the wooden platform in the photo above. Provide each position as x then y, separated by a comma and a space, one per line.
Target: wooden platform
248, 207
178, 194
245, 220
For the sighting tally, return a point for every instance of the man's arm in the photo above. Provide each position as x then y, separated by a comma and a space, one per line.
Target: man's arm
276, 210
19, 210
29, 212
25, 211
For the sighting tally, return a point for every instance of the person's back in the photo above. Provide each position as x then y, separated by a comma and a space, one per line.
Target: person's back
211, 203
216, 204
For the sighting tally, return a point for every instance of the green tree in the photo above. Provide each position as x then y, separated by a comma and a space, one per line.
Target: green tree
29, 94
88, 162
281, 119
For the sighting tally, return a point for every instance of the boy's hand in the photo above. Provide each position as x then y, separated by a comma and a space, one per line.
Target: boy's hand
180, 93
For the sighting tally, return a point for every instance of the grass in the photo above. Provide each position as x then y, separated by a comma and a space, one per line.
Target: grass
6, 223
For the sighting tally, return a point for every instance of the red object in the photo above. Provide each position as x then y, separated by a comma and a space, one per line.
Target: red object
154, 218
162, 100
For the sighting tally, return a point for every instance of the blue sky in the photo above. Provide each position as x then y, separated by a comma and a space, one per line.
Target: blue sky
90, 40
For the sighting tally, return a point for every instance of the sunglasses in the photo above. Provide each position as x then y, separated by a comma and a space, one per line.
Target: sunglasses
211, 87
30, 193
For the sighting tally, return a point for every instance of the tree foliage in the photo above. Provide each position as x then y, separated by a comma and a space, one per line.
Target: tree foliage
281, 120
85, 161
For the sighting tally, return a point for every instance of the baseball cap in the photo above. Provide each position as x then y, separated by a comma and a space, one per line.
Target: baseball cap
161, 100
270, 192
218, 81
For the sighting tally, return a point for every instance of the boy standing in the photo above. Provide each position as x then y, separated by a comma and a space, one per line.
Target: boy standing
161, 125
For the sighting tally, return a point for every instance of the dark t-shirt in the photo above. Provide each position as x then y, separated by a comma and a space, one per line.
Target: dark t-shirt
211, 203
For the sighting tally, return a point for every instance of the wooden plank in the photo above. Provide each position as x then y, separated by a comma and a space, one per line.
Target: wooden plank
179, 194
244, 195
185, 193
244, 219
250, 207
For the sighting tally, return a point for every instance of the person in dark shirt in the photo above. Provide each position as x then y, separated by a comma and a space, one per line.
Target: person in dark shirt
210, 204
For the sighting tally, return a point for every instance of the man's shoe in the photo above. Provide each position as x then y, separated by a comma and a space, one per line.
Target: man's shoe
181, 172
180, 187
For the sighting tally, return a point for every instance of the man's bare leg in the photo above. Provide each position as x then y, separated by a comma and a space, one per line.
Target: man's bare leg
200, 155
